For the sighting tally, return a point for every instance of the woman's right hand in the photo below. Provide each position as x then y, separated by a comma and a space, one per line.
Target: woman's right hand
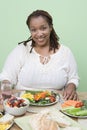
5, 81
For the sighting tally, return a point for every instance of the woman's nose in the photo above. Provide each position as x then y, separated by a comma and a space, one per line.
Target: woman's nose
39, 33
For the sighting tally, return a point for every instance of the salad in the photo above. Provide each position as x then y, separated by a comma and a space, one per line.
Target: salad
75, 108
40, 97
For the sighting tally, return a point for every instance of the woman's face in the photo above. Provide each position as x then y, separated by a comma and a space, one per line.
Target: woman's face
40, 31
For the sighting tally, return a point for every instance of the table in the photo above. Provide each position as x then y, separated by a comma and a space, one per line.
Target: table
82, 95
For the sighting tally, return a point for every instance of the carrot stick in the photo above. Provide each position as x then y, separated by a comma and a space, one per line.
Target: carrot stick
73, 103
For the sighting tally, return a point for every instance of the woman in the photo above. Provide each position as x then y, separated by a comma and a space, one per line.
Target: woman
40, 61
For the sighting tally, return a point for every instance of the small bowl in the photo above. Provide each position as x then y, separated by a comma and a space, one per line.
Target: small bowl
16, 111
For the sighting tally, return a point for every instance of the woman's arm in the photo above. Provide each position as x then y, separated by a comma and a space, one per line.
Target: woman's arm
13, 65
72, 79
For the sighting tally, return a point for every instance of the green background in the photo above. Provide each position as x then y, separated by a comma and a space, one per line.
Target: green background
70, 23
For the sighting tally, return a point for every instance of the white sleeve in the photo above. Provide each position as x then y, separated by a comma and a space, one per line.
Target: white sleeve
13, 64
72, 70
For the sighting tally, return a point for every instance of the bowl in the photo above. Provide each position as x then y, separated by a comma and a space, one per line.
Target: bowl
14, 109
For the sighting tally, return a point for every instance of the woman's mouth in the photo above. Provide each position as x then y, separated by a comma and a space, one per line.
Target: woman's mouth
41, 39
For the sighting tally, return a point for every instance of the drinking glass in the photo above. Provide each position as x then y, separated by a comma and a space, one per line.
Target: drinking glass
6, 90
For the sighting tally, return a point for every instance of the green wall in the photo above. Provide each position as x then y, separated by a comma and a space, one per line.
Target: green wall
70, 22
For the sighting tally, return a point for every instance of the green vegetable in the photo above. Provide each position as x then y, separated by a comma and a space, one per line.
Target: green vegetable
73, 111
33, 92
68, 108
81, 113
31, 100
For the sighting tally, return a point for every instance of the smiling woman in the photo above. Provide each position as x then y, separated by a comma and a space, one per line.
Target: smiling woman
42, 55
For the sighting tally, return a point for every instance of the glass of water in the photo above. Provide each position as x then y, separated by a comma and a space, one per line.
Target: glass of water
6, 90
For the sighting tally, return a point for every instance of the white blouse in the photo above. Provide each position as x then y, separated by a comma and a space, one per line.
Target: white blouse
25, 70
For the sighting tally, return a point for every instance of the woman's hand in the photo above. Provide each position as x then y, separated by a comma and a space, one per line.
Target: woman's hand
70, 92
5, 81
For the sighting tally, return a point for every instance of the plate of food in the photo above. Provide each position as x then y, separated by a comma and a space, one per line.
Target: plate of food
77, 109
41, 97
6, 121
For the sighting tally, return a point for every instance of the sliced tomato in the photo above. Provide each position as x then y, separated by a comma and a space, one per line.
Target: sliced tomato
52, 98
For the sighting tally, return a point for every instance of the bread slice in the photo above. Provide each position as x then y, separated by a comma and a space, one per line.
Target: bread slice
7, 118
47, 124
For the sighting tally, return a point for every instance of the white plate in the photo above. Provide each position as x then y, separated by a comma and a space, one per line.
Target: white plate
81, 117
10, 125
47, 104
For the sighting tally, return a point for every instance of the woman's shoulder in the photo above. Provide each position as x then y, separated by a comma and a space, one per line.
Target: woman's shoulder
22, 48
64, 47
65, 50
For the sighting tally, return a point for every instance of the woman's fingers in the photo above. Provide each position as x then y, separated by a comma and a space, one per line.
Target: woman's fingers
66, 95
70, 95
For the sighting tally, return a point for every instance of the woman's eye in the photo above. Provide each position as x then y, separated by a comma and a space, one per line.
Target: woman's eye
32, 30
43, 28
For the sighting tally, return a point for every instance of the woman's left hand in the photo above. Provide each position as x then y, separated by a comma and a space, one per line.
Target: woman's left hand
70, 92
